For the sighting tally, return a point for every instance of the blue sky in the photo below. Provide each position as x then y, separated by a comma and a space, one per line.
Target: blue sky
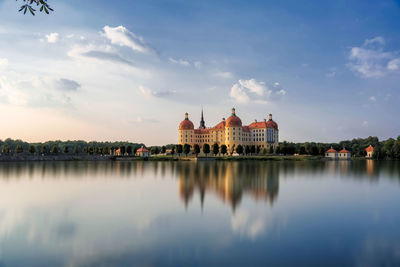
129, 70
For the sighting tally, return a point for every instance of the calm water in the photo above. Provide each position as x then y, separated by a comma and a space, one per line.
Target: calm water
206, 213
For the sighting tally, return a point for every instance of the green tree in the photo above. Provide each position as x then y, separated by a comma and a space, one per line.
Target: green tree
32, 149
247, 149
106, 150
258, 149
224, 150
173, 150
135, 150
5, 149
29, 5
271, 150
239, 149
129, 150
196, 149
19, 149
206, 149
396, 150
54, 150
302, 150
76, 150
277, 150
179, 149
215, 149
66, 150
253, 149
186, 149
163, 149
44, 150
122, 149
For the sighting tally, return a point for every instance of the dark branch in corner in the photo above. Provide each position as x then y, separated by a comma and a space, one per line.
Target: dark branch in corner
30, 4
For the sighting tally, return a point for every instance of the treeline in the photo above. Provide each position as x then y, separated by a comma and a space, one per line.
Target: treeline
10, 146
382, 149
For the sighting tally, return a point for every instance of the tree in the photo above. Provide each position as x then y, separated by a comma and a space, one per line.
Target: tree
258, 149
29, 5
129, 150
173, 150
54, 150
179, 149
215, 149
196, 149
19, 149
44, 150
264, 151
302, 150
66, 150
5, 149
277, 150
206, 149
122, 149
135, 150
32, 149
271, 150
76, 150
253, 149
106, 150
396, 150
163, 149
239, 149
247, 149
186, 149
224, 150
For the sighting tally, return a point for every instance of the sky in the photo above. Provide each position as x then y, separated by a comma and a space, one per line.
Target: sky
129, 70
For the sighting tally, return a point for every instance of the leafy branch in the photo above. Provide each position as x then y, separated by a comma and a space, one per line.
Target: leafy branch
30, 4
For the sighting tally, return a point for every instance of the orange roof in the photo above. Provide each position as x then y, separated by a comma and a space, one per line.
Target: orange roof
219, 126
186, 124
370, 149
331, 150
344, 151
234, 121
259, 124
142, 149
246, 129
201, 131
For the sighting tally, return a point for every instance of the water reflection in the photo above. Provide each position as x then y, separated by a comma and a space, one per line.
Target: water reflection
229, 181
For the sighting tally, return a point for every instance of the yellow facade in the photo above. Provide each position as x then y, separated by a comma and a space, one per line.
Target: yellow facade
231, 133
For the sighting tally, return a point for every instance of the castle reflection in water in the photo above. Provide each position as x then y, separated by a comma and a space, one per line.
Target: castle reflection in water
229, 181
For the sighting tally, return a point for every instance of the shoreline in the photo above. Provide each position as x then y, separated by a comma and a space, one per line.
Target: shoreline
40, 158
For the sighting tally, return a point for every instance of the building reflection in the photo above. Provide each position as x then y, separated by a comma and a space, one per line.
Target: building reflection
229, 181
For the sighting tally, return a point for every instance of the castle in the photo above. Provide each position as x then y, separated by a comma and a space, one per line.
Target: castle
230, 132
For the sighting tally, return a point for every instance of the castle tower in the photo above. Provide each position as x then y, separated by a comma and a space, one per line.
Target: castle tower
202, 122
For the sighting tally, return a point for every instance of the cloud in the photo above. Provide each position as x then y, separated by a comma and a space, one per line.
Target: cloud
245, 91
52, 37
365, 124
108, 56
372, 98
123, 37
223, 74
67, 85
3, 63
371, 61
150, 93
179, 61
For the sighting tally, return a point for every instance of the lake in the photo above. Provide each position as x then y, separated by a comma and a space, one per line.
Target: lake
249, 213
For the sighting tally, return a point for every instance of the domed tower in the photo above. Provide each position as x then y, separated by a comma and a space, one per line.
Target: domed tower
233, 131
186, 131
272, 132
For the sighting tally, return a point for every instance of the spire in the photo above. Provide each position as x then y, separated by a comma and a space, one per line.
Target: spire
202, 123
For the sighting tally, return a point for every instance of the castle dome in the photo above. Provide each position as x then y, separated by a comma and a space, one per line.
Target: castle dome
271, 123
233, 120
186, 124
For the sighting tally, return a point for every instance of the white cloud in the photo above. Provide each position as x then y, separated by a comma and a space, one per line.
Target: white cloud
179, 61
394, 64
365, 124
223, 74
372, 98
197, 64
67, 85
52, 37
123, 37
252, 90
150, 93
3, 63
371, 61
